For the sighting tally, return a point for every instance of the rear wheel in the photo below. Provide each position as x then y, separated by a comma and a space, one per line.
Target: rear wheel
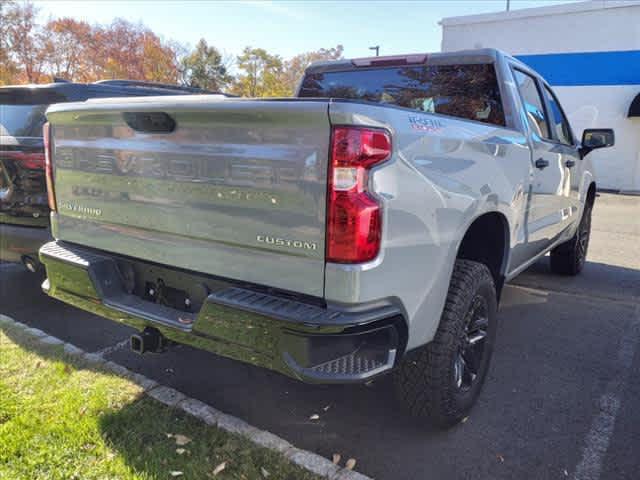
442, 380
569, 258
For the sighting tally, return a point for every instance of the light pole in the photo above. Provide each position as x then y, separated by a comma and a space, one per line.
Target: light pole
376, 48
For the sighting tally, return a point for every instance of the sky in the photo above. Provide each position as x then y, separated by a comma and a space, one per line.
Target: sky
289, 27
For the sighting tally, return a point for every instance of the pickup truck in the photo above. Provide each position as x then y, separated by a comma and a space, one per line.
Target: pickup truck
24, 210
365, 227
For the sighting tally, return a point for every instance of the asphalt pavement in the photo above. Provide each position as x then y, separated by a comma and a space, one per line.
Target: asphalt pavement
560, 400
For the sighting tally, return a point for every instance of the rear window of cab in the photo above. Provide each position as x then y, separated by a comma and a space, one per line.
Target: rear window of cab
470, 92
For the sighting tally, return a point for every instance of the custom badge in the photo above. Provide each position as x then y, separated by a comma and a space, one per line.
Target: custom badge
425, 124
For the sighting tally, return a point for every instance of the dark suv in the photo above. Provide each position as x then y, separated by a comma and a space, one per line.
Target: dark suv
24, 210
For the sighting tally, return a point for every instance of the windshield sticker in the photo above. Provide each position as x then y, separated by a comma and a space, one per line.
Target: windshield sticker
425, 124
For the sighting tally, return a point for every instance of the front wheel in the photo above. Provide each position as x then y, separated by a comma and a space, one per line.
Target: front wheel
442, 380
569, 257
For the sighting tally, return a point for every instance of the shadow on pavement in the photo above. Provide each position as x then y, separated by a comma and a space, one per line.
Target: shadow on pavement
597, 279
22, 299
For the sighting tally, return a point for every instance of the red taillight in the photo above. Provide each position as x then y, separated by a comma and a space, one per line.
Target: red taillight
30, 161
48, 166
354, 220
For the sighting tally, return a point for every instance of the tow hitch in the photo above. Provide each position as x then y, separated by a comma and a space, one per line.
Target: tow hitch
149, 340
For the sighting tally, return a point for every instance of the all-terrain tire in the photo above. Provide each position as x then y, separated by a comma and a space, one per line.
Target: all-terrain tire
569, 257
426, 379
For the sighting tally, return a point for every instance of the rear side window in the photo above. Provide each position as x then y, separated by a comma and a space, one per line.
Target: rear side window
559, 122
466, 91
22, 120
532, 102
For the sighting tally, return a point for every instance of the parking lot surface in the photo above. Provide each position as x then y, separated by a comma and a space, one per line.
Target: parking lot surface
561, 399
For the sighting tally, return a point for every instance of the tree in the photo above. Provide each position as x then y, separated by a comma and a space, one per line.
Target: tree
263, 74
78, 51
127, 50
8, 68
23, 39
205, 68
295, 67
68, 51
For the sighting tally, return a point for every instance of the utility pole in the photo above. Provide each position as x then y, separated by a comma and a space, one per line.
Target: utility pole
508, 5
376, 48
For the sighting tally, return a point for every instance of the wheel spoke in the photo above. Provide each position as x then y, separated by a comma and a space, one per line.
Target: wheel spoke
469, 358
477, 337
468, 376
458, 368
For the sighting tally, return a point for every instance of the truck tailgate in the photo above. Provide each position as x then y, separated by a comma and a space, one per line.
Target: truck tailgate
236, 190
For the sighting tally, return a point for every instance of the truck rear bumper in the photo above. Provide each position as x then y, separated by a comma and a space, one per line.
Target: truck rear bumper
19, 241
295, 336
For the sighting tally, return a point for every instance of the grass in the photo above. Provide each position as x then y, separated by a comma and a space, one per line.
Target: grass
63, 419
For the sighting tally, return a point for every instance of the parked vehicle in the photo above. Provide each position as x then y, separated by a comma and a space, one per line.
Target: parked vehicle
24, 211
366, 227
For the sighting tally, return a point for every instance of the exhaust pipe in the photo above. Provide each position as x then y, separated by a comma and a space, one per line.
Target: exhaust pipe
30, 264
149, 340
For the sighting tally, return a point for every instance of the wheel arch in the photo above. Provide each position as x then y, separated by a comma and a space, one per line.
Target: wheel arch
486, 240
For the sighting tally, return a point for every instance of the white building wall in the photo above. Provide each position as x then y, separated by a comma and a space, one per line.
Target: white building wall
617, 167
594, 26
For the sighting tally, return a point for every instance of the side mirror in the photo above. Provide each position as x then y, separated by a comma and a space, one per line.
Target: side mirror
593, 138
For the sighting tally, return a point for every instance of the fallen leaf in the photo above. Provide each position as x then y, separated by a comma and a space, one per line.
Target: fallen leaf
326, 409
315, 416
180, 451
219, 468
264, 472
176, 473
336, 458
351, 463
501, 458
566, 474
464, 420
181, 439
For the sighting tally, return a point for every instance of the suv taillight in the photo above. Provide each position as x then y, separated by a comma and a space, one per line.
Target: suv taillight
48, 166
354, 220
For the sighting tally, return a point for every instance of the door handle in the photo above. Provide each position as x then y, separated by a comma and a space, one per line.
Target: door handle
542, 163
570, 163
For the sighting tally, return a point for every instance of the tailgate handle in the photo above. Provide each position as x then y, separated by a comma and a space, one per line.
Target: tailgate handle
150, 122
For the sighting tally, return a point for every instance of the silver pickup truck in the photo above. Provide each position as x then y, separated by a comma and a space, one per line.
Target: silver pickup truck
365, 227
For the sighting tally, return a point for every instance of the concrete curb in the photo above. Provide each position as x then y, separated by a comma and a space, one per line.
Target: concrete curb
206, 413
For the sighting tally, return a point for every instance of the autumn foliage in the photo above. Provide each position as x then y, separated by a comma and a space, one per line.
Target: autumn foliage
78, 51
